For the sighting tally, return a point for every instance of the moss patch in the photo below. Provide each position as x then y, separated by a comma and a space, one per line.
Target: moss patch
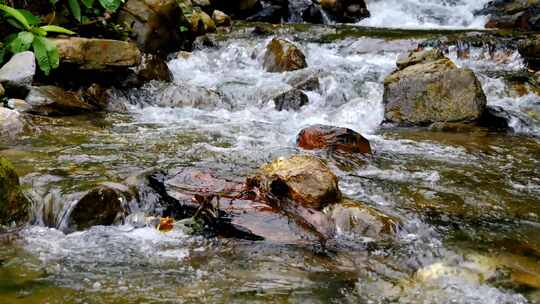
13, 205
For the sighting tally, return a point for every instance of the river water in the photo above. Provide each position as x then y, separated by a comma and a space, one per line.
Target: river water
467, 202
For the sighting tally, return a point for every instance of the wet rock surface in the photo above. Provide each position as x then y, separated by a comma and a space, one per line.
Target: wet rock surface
530, 50
433, 91
54, 101
104, 205
512, 14
306, 180
282, 55
14, 206
332, 138
291, 100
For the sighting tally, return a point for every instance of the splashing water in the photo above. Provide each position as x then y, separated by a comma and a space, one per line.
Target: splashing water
425, 13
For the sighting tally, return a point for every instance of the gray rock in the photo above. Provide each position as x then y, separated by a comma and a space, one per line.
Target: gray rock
291, 100
54, 101
184, 95
19, 71
305, 82
435, 91
11, 123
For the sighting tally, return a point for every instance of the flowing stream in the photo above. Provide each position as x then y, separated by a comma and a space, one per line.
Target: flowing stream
468, 202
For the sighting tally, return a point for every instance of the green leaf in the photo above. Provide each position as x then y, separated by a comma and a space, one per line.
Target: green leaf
46, 54
2, 55
88, 3
22, 42
110, 5
32, 20
56, 29
75, 9
16, 14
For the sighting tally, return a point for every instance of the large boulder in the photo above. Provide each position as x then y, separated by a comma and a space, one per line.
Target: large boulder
530, 50
291, 100
54, 101
19, 71
333, 138
155, 24
345, 10
105, 205
11, 123
98, 54
433, 91
304, 179
14, 206
512, 14
407, 59
282, 55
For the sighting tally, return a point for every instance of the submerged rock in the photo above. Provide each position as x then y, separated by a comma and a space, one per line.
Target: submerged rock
11, 123
104, 205
282, 55
305, 82
98, 54
54, 101
358, 220
291, 100
155, 25
19, 71
14, 206
433, 91
304, 179
185, 95
333, 138
152, 67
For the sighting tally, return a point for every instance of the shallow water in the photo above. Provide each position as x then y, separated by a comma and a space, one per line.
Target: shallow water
468, 202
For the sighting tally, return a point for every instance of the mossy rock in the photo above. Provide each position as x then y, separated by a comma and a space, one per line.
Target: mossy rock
14, 205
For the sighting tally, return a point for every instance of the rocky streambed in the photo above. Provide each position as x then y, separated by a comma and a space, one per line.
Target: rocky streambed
325, 189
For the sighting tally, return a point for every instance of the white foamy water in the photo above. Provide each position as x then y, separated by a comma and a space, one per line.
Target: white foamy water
424, 13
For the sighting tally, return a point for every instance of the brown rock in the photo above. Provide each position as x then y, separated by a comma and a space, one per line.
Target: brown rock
14, 206
104, 205
54, 101
221, 19
282, 55
304, 179
201, 23
332, 138
98, 54
155, 24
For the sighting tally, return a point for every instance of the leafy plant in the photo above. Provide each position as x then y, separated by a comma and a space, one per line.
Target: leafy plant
32, 35
77, 7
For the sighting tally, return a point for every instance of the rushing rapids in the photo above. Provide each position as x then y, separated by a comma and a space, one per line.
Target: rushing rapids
467, 203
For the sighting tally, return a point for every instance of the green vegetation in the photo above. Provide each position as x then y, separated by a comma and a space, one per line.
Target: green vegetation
31, 36
81, 9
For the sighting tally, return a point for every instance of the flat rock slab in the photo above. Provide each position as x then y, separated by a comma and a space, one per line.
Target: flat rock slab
98, 54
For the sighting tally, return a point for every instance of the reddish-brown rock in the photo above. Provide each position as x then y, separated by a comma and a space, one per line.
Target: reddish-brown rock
334, 138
